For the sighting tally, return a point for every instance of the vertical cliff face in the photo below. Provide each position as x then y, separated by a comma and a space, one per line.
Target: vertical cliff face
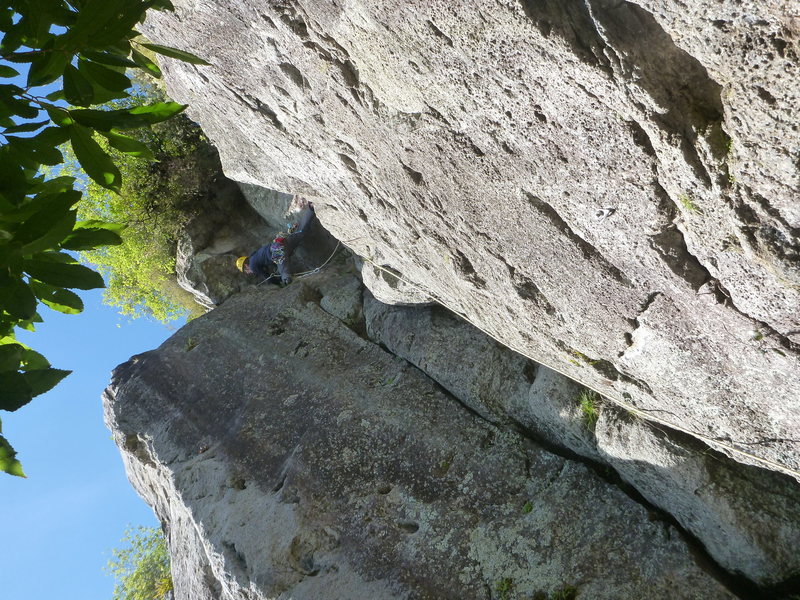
748, 519
607, 187
289, 457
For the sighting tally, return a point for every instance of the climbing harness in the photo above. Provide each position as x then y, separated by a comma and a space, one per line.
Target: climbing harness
307, 273
277, 249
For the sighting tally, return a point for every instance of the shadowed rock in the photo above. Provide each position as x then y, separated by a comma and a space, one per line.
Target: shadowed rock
290, 458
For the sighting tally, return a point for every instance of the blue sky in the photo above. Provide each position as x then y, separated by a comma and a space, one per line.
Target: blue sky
63, 520
61, 523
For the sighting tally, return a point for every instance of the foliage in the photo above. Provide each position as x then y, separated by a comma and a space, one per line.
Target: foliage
157, 198
567, 592
589, 405
527, 507
80, 49
688, 204
141, 567
503, 588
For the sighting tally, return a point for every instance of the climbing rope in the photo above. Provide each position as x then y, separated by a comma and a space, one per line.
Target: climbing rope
322, 266
614, 400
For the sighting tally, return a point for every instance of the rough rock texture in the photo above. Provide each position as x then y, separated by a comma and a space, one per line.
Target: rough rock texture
290, 458
272, 205
226, 228
747, 518
235, 221
605, 179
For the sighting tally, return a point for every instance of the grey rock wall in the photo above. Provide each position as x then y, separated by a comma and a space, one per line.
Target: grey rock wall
236, 220
288, 457
225, 228
609, 180
747, 518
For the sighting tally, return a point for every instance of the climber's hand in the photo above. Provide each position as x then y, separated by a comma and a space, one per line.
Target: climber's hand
286, 280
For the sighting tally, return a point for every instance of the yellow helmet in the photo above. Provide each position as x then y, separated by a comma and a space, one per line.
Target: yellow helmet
240, 263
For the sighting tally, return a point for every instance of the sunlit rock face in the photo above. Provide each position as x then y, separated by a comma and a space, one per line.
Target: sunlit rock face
289, 457
608, 187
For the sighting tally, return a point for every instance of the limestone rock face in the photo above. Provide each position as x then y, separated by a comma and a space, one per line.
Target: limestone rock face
227, 228
747, 518
288, 457
240, 219
607, 187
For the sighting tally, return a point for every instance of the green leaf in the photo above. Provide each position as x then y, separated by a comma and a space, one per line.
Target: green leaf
77, 90
58, 185
8, 91
53, 136
89, 239
46, 201
175, 53
44, 380
10, 98
105, 96
36, 151
106, 58
10, 357
94, 17
57, 257
128, 145
47, 65
17, 391
97, 164
101, 26
13, 183
55, 96
61, 15
11, 40
64, 301
59, 227
6, 71
35, 22
145, 63
8, 462
158, 112
27, 325
105, 120
96, 224
26, 127
31, 359
63, 274
16, 298
59, 116
141, 116
103, 76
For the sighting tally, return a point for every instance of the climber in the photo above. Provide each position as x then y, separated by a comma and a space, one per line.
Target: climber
272, 257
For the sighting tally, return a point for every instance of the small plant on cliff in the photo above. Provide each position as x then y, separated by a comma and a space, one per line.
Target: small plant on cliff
503, 588
688, 204
141, 567
589, 404
566, 592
